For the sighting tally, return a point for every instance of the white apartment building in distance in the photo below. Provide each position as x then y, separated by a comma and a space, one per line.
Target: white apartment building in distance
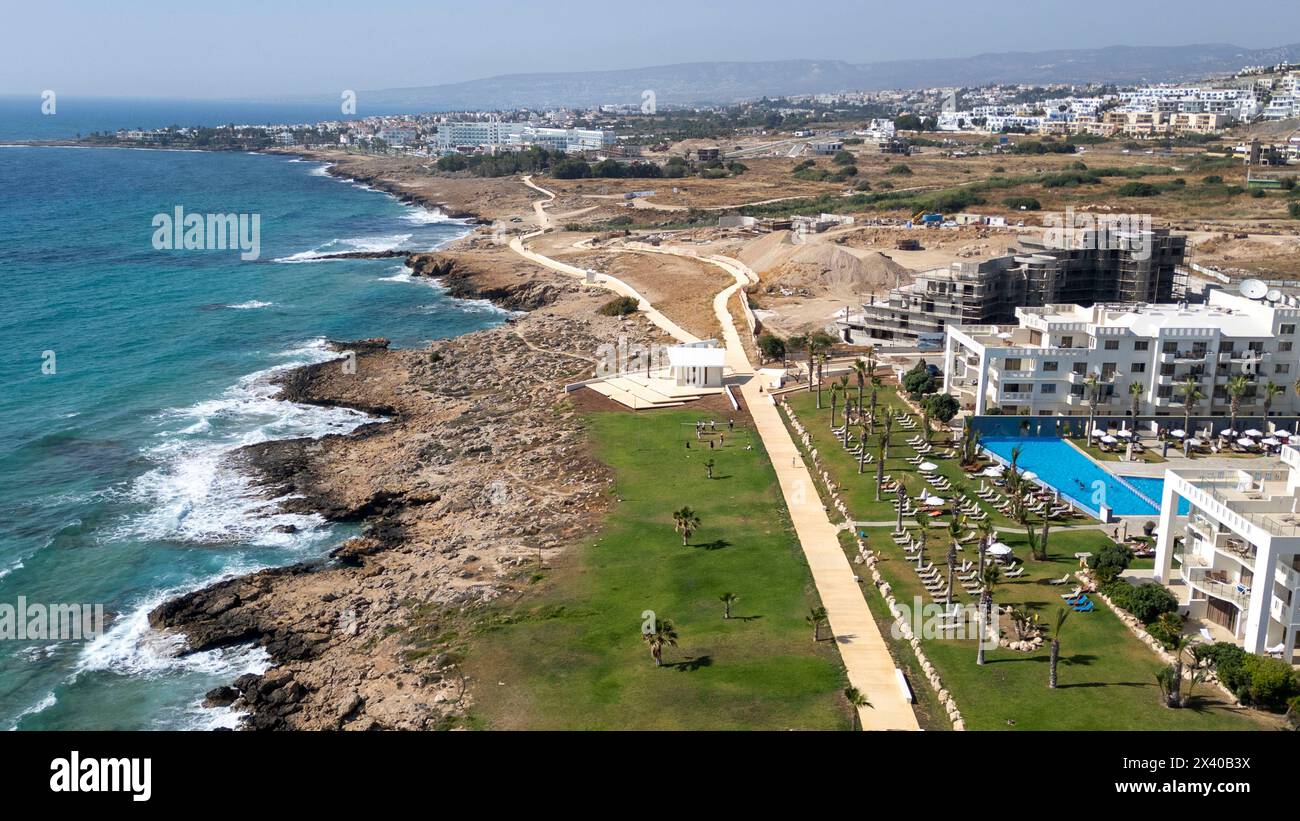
1238, 565
1041, 365
497, 135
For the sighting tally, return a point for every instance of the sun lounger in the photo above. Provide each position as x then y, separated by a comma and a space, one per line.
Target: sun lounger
1063, 580
1072, 594
1086, 607
1207, 635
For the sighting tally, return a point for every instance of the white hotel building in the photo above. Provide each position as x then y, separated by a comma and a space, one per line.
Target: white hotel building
1040, 366
1238, 564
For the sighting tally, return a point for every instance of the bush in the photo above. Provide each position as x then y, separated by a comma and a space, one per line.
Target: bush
900, 169
941, 406
1023, 203
620, 306
1110, 561
1213, 179
843, 157
773, 347
1258, 680
919, 380
1138, 189
1293, 209
1149, 602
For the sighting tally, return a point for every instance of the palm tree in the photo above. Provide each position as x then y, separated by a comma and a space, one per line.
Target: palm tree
800, 342
1092, 387
856, 702
880, 468
923, 538
986, 530
835, 395
860, 371
1271, 389
816, 617
1174, 688
870, 354
989, 580
821, 370
862, 443
686, 523
1191, 391
955, 527
1236, 388
727, 600
661, 634
1057, 624
1135, 390
708, 467
889, 425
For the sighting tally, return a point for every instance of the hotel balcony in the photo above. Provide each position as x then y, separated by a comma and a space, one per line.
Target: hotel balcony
1277, 610
1018, 396
1216, 584
1288, 577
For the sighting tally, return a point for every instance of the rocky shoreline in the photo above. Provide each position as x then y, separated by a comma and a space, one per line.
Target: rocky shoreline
479, 467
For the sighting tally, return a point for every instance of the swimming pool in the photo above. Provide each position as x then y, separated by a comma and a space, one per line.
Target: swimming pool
1064, 468
1153, 488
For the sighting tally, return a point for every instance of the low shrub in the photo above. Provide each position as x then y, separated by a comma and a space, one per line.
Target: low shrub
619, 306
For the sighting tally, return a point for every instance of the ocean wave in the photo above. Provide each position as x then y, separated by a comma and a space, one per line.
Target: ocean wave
132, 647
250, 305
369, 245
425, 216
322, 170
39, 707
193, 495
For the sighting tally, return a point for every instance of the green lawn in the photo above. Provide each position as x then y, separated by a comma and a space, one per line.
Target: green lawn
1107, 676
569, 655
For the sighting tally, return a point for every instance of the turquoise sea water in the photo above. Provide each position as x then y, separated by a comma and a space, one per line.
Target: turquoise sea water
112, 485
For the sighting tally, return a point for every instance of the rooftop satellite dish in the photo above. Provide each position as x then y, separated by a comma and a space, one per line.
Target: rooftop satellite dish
1274, 295
1253, 289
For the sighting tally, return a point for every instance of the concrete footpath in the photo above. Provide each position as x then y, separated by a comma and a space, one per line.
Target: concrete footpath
866, 657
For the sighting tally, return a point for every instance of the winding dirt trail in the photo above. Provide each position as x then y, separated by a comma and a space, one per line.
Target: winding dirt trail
865, 654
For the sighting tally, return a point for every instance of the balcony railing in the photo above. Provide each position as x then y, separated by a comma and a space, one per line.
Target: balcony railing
1199, 577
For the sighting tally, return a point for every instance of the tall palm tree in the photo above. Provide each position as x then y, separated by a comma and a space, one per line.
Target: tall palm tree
1236, 388
955, 528
1191, 391
1135, 390
659, 635
1271, 389
1174, 693
1057, 624
989, 580
862, 443
860, 372
835, 395
889, 425
1092, 387
986, 530
898, 503
686, 523
821, 371
870, 354
727, 600
856, 702
923, 538
816, 617
880, 466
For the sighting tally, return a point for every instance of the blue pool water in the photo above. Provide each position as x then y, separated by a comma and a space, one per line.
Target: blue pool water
1061, 466
1153, 488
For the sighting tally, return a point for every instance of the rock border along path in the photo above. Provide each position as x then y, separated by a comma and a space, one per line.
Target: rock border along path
866, 657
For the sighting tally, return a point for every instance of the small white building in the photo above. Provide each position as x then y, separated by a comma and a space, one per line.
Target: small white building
699, 365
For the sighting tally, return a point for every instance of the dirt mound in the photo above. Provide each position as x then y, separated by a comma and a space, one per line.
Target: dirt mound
819, 267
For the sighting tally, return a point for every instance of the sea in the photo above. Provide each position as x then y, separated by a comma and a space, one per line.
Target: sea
128, 373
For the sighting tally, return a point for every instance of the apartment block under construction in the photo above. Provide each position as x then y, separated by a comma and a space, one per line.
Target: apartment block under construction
1078, 267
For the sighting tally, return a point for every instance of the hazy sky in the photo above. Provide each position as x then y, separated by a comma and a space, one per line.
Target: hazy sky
263, 48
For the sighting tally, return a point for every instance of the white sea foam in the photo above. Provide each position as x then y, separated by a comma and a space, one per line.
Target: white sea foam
39, 707
194, 495
321, 170
370, 245
131, 647
425, 216
5, 571
250, 305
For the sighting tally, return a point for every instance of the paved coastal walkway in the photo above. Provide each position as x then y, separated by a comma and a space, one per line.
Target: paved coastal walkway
866, 657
